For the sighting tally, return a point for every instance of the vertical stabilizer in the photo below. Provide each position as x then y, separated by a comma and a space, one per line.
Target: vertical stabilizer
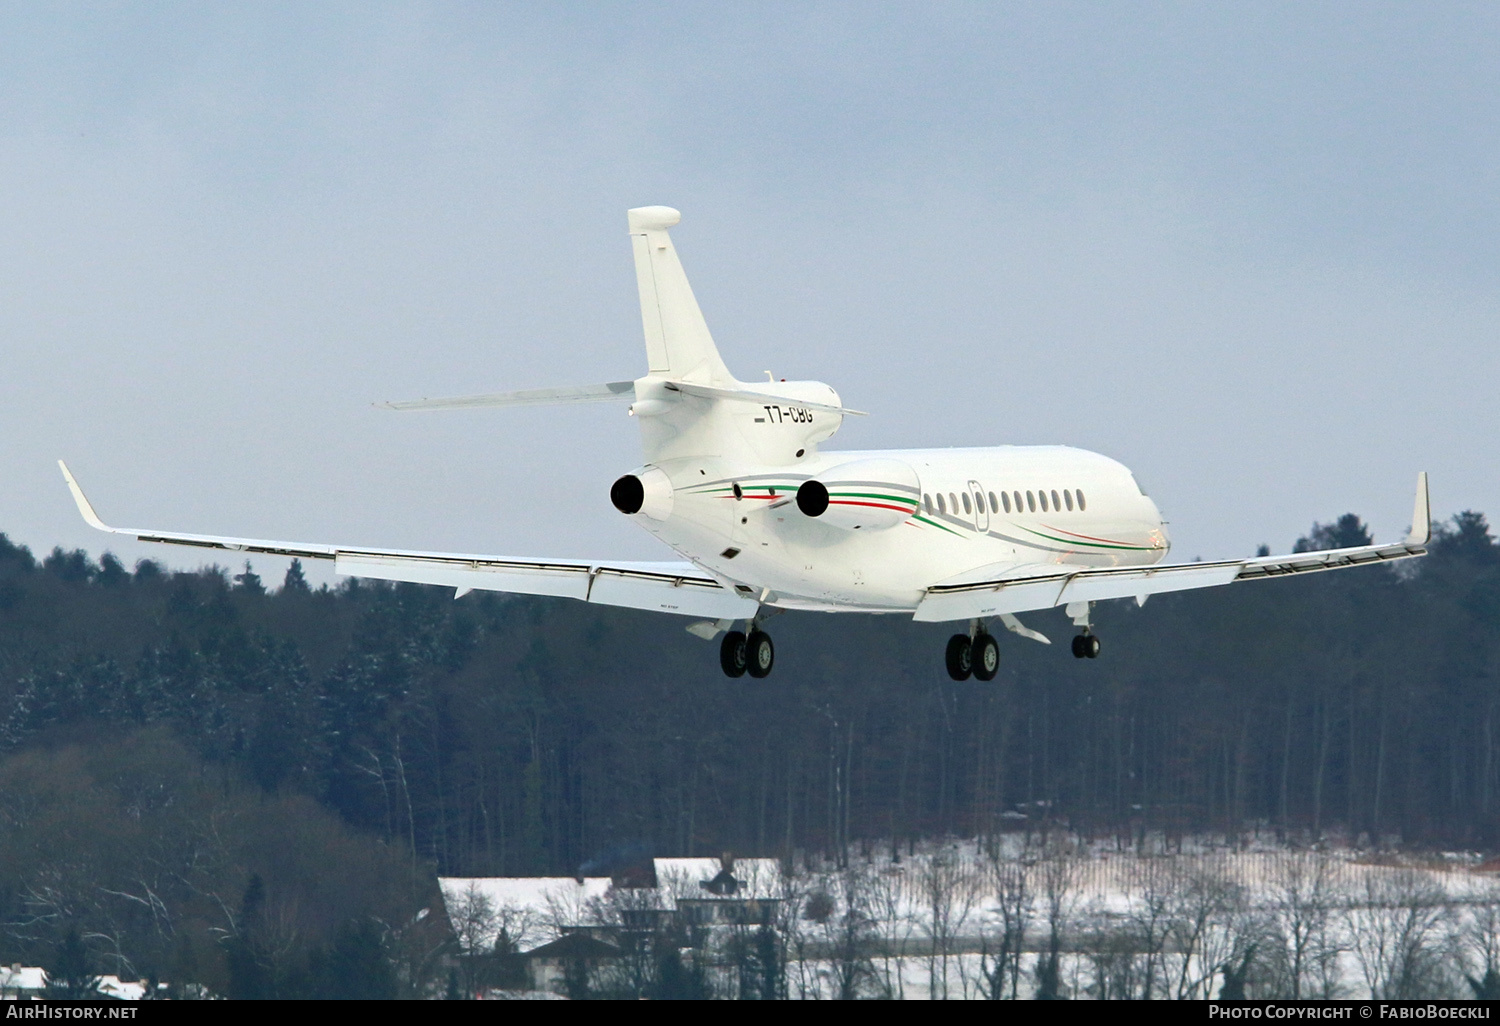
678, 344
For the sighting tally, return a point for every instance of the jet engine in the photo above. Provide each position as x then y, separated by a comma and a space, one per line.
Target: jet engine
863, 495
648, 492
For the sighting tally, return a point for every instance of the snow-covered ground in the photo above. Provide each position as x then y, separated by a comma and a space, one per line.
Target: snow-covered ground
1023, 915
1180, 920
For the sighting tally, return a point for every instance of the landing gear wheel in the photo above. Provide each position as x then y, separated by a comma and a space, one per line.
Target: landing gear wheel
1085, 646
960, 657
732, 654
1092, 647
984, 657
760, 654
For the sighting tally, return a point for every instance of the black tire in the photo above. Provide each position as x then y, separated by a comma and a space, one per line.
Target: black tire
1093, 647
960, 657
732, 654
760, 654
984, 657
1080, 646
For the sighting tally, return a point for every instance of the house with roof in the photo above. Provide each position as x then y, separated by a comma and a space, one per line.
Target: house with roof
568, 930
571, 965
22, 982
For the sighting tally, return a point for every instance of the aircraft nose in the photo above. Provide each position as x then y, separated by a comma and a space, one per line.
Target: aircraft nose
1159, 535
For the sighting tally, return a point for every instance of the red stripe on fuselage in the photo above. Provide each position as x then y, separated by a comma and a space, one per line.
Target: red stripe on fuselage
873, 505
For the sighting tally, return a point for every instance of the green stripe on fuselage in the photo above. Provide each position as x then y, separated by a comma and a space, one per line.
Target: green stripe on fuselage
1091, 545
904, 500
934, 523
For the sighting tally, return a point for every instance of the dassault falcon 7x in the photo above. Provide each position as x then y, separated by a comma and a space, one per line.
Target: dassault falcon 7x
735, 482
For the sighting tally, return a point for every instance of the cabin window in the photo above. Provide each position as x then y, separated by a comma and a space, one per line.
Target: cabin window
1056, 506
979, 501
967, 507
994, 503
1018, 501
953, 502
1031, 502
1068, 498
1079, 493
941, 508
1006, 497
927, 501
1041, 498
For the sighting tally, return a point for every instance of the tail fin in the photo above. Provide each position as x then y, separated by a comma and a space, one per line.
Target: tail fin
678, 344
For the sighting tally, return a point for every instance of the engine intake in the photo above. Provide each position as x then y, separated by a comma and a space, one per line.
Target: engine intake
864, 495
628, 494
812, 498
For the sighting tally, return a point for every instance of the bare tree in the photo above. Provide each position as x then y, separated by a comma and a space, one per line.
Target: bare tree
805, 905
849, 933
1015, 901
1059, 902
1478, 943
471, 914
1151, 917
949, 890
1210, 928
1112, 950
1396, 924
892, 906
1302, 896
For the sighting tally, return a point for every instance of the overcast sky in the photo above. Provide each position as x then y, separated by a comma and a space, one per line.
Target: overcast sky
1251, 251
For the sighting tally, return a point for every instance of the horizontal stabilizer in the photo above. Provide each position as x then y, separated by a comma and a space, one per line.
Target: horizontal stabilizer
532, 397
757, 398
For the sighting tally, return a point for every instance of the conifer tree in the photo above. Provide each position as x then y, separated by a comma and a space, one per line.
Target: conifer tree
294, 582
249, 581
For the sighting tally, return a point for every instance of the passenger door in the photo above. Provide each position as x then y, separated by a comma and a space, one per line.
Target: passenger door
981, 508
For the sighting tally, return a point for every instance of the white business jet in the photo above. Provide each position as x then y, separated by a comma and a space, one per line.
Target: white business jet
735, 482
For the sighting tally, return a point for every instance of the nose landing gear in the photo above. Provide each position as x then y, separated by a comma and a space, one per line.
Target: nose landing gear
1085, 646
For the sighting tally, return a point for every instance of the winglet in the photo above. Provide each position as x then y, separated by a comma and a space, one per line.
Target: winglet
84, 508
1421, 515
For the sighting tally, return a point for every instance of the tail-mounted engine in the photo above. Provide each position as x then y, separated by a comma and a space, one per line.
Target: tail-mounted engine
865, 495
648, 492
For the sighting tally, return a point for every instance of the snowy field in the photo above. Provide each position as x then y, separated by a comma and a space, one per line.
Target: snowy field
1100, 920
1026, 916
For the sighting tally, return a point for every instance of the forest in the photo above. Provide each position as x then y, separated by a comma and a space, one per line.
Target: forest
196, 767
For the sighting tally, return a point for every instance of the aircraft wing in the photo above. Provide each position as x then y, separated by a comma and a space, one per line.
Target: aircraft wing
661, 587
1013, 589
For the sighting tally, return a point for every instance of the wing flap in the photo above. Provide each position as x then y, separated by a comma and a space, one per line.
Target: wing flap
689, 591
520, 577
1009, 594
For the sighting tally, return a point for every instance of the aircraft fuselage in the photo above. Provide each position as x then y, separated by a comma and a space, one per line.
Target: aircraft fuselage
960, 510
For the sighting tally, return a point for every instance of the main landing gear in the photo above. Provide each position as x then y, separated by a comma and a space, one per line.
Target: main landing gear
977, 656
753, 653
